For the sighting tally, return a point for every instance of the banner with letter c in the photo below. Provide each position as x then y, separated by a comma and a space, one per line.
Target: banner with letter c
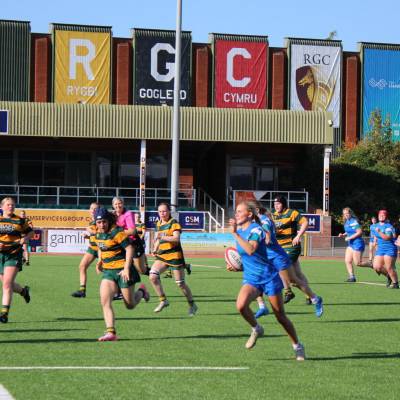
240, 73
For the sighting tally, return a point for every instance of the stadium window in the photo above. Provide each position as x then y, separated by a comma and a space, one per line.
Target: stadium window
264, 177
54, 174
30, 168
78, 169
241, 173
104, 169
286, 178
157, 171
54, 166
6, 168
128, 175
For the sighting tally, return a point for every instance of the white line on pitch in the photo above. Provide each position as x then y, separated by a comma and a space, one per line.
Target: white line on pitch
207, 266
372, 283
5, 394
127, 368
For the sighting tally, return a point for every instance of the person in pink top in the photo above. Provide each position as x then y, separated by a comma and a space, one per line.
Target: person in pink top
126, 220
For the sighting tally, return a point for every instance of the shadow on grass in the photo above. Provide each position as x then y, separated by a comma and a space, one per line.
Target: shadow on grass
41, 330
84, 319
363, 304
64, 340
363, 320
357, 356
221, 336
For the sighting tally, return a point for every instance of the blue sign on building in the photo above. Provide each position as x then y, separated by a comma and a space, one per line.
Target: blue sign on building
192, 220
150, 219
189, 220
314, 222
3, 121
381, 89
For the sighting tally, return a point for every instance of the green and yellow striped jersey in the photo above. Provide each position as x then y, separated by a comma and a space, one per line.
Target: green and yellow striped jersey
12, 229
287, 224
112, 246
140, 229
169, 253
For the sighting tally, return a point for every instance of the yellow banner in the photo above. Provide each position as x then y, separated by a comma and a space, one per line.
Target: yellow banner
44, 218
82, 67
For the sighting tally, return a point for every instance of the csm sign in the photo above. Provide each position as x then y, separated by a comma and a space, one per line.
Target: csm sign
314, 222
192, 220
3, 122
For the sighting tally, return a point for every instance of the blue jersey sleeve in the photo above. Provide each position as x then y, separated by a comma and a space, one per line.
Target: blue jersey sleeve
256, 235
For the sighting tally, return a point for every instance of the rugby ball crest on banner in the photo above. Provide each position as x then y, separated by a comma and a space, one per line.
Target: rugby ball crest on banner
233, 260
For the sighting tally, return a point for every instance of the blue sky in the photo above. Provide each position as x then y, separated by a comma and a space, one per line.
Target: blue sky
354, 20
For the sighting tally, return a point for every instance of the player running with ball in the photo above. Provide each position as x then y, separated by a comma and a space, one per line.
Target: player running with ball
259, 276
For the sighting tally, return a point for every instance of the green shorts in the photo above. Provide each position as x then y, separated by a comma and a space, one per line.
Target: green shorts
174, 265
293, 253
92, 252
113, 275
10, 260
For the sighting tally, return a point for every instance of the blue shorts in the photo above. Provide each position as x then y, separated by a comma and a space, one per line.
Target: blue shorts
357, 246
280, 261
271, 288
386, 252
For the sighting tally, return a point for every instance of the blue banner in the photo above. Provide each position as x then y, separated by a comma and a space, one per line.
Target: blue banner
314, 222
3, 121
381, 89
192, 220
150, 219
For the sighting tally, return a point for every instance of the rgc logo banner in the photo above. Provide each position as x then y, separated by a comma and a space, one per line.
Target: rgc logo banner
82, 66
381, 87
240, 73
155, 67
315, 79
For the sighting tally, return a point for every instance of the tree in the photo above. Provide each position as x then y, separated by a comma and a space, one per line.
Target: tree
332, 35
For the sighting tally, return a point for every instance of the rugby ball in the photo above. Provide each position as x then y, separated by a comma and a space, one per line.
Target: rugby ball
233, 260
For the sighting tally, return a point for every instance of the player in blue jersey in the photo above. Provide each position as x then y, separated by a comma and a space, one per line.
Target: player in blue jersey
281, 261
386, 252
259, 276
355, 243
372, 240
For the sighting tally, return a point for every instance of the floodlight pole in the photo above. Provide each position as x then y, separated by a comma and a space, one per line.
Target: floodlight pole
176, 111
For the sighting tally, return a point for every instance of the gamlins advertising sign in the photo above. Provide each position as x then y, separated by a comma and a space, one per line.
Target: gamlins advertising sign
240, 74
315, 79
155, 67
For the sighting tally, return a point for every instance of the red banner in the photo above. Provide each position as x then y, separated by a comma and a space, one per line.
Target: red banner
240, 74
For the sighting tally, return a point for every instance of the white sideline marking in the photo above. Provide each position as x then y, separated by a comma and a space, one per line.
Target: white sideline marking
207, 266
127, 368
5, 394
372, 283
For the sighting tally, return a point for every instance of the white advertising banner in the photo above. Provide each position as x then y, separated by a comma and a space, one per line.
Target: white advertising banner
315, 79
66, 241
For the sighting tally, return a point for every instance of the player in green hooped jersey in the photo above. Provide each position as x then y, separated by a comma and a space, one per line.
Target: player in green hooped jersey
290, 226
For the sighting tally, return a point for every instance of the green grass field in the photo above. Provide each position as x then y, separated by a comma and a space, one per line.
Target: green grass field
353, 350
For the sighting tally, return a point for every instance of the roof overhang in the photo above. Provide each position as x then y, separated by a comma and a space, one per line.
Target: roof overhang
155, 123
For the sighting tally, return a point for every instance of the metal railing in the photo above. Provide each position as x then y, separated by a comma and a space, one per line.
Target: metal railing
49, 196
330, 246
216, 212
296, 199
